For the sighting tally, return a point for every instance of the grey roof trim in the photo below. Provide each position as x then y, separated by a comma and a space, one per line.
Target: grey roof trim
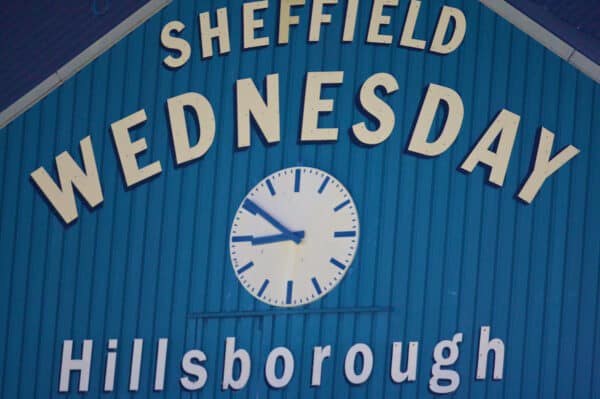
80, 61
545, 37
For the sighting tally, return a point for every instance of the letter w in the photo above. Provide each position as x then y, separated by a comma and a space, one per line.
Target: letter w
70, 175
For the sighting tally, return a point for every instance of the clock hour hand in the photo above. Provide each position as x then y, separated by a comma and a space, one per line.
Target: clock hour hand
254, 209
275, 238
266, 239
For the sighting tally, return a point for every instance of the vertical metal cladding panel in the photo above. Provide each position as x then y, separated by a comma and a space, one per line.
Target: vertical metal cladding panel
441, 251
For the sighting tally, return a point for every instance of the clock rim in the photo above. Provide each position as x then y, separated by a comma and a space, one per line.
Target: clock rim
325, 292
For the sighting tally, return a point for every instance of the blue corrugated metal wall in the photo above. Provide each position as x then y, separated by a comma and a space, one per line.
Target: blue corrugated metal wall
440, 252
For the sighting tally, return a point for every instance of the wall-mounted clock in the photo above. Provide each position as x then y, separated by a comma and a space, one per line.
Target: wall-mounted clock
294, 236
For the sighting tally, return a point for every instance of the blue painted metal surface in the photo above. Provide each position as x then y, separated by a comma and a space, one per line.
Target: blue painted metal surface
441, 252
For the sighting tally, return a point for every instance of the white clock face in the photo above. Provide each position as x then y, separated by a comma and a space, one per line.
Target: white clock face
294, 237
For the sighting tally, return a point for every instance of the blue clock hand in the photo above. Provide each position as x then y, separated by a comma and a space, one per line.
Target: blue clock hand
275, 238
266, 239
254, 209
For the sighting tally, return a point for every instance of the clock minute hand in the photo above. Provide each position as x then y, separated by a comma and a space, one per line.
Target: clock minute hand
254, 209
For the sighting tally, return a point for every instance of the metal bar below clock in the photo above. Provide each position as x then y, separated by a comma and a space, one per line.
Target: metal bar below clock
268, 313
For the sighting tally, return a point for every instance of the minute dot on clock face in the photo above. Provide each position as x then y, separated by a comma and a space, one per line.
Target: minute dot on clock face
294, 237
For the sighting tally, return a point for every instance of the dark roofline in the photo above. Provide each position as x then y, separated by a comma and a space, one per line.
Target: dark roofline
549, 35
586, 43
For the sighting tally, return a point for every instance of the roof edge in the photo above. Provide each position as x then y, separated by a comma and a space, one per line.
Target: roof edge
88, 55
546, 38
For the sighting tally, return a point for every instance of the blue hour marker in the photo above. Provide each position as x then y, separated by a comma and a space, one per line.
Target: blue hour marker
337, 263
271, 188
262, 288
241, 238
316, 285
340, 206
244, 268
288, 297
323, 185
342, 234
250, 206
297, 181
